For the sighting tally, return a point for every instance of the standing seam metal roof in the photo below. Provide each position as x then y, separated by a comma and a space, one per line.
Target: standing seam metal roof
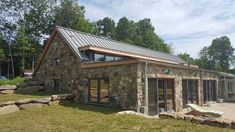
78, 39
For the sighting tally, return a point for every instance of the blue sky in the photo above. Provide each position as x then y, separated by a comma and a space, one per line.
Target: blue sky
187, 25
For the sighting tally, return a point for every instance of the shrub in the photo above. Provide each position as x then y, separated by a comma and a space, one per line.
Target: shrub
13, 81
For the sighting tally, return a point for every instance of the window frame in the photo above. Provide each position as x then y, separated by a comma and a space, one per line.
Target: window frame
98, 90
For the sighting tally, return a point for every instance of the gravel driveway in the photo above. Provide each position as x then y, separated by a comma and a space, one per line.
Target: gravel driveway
227, 108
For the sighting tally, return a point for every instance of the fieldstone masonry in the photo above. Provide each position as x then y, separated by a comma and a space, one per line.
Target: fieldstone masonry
61, 70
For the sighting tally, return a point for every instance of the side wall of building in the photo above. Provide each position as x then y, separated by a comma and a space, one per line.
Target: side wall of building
146, 70
61, 71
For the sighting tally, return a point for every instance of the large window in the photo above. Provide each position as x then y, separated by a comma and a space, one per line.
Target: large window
98, 57
99, 90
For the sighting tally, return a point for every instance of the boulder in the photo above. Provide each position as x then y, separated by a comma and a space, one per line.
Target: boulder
7, 103
233, 124
217, 122
30, 83
188, 117
29, 89
23, 101
197, 120
57, 102
6, 91
66, 96
8, 87
31, 105
62, 97
42, 100
54, 97
180, 117
8, 109
168, 115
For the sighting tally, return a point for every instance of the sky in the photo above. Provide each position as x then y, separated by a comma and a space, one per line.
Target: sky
187, 25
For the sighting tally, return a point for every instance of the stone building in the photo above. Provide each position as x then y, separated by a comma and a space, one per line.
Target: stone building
107, 72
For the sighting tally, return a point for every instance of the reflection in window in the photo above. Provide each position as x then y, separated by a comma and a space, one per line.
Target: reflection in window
109, 58
117, 58
99, 57
93, 90
104, 88
99, 91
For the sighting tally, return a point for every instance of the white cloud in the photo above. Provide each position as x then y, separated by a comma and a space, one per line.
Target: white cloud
188, 25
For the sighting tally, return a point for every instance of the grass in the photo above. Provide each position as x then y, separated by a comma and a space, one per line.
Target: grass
75, 117
17, 96
13, 81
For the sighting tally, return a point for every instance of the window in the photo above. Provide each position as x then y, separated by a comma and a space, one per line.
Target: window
117, 58
99, 91
99, 57
109, 58
230, 89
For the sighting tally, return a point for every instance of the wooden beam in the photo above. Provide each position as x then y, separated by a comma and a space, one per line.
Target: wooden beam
105, 64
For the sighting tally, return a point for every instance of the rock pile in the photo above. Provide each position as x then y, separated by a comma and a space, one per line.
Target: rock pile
24, 87
7, 89
23, 104
200, 120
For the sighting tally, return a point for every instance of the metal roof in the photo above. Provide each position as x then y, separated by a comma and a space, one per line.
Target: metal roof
78, 39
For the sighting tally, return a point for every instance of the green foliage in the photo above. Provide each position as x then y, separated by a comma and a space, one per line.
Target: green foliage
141, 33
13, 82
218, 56
71, 15
186, 57
125, 30
106, 27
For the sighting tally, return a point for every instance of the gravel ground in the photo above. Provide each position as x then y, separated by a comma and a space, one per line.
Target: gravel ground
227, 108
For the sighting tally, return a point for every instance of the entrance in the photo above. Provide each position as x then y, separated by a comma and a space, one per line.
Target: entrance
209, 90
161, 95
190, 92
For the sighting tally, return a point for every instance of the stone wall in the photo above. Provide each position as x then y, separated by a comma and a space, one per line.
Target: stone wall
61, 70
178, 74
72, 78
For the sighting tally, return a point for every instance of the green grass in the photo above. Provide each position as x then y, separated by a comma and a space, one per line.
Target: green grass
74, 117
13, 81
16, 96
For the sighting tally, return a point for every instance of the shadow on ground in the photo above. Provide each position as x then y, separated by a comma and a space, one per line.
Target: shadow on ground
92, 108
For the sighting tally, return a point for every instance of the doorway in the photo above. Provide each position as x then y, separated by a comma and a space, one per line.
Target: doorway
190, 92
209, 90
161, 95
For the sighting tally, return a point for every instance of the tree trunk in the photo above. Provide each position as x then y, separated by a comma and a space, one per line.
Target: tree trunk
12, 62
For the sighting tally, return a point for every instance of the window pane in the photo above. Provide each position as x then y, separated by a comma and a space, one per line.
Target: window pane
109, 58
99, 57
104, 88
118, 58
93, 90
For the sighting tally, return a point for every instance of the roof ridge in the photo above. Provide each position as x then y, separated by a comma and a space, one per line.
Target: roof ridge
115, 41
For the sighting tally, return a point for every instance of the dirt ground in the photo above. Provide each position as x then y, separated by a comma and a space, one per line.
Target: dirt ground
227, 108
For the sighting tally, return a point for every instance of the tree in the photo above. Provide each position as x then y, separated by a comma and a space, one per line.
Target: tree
186, 57
218, 56
71, 15
146, 37
221, 53
126, 30
106, 27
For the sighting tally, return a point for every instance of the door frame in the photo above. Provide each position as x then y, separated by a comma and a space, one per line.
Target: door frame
98, 90
164, 92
